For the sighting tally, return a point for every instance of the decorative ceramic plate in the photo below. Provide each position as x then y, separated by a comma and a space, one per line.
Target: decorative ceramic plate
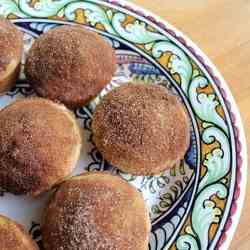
195, 205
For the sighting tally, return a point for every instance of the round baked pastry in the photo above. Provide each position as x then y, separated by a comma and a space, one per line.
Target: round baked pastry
96, 211
70, 64
11, 45
14, 237
141, 129
40, 143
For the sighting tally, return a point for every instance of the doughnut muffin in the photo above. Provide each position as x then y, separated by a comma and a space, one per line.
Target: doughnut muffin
70, 64
14, 237
11, 46
96, 211
142, 129
40, 143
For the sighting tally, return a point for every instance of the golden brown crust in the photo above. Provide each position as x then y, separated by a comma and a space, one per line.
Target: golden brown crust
70, 64
96, 211
13, 236
141, 129
40, 144
11, 45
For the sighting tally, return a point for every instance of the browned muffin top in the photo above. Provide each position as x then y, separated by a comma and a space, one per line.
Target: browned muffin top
10, 44
96, 211
141, 129
39, 145
14, 237
70, 64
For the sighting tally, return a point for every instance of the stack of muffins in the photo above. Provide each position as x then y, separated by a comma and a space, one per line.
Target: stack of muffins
141, 129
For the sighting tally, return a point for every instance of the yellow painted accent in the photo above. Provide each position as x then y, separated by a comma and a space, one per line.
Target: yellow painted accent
80, 17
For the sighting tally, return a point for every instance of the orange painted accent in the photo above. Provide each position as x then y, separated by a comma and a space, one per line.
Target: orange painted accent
80, 17
100, 27
207, 90
220, 111
32, 3
11, 16
128, 20
57, 18
141, 46
203, 170
213, 230
194, 66
164, 59
173, 247
152, 29
177, 78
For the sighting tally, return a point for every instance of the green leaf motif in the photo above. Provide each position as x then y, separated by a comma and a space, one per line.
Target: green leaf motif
134, 32
205, 104
205, 212
94, 14
187, 242
217, 162
178, 63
